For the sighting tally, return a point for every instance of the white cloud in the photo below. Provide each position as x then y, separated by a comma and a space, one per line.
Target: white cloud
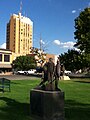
42, 42
73, 11
3, 46
79, 9
69, 44
89, 4
57, 42
77, 49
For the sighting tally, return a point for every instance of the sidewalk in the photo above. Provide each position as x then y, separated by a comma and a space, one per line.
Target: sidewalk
19, 77
79, 75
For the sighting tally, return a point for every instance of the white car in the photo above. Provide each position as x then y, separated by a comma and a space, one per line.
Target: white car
67, 72
21, 72
31, 71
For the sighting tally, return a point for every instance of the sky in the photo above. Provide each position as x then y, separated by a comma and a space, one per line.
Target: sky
53, 21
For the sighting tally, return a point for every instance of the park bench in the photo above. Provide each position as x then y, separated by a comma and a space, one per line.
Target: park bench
4, 84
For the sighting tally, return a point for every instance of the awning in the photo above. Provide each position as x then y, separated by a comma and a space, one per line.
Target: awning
5, 66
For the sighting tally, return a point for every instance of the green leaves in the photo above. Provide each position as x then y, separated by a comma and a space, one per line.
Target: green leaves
72, 60
82, 33
24, 63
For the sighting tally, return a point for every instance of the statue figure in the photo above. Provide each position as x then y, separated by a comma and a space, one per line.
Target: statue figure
57, 74
45, 77
50, 70
62, 70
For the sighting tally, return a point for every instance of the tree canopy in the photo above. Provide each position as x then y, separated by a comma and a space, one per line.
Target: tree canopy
73, 60
24, 63
82, 33
40, 55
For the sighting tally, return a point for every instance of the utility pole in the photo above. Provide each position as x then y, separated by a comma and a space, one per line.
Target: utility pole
40, 42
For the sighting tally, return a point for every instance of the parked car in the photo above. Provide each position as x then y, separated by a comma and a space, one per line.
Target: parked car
20, 72
31, 71
67, 72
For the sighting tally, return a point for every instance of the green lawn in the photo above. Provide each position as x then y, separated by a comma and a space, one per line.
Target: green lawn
15, 105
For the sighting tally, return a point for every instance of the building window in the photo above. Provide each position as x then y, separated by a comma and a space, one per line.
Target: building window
6, 58
0, 57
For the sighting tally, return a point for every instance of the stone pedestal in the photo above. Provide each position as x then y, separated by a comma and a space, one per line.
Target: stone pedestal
65, 77
47, 105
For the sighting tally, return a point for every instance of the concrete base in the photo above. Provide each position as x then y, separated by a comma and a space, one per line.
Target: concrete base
65, 77
47, 105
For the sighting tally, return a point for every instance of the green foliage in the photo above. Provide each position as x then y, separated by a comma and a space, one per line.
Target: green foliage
24, 63
87, 60
73, 60
82, 33
40, 55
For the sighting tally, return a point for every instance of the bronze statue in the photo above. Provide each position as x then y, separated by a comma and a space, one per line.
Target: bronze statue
62, 70
50, 70
45, 77
51, 74
57, 74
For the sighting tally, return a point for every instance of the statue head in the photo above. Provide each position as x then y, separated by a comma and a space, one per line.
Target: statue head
58, 62
50, 59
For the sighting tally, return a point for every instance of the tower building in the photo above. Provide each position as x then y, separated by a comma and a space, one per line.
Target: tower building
19, 36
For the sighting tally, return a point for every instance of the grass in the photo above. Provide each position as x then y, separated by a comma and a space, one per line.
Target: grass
77, 99
15, 105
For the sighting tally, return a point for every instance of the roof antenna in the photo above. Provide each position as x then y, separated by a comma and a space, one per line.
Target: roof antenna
20, 6
40, 42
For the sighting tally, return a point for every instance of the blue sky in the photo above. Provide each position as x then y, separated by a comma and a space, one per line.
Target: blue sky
53, 21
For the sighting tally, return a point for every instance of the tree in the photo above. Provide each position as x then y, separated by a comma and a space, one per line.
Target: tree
72, 60
24, 63
40, 55
82, 33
